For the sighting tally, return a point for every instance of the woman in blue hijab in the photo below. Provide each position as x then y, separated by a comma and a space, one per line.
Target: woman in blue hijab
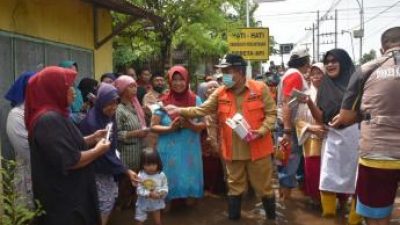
108, 167
16, 93
18, 136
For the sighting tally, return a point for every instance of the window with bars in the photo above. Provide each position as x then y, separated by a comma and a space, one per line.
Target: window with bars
20, 54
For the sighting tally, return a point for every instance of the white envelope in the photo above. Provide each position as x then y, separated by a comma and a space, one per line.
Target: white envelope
239, 125
156, 106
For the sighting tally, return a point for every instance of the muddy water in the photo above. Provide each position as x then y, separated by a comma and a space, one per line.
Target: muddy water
212, 211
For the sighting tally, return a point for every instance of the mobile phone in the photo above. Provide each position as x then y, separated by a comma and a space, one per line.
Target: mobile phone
109, 129
296, 93
91, 97
293, 102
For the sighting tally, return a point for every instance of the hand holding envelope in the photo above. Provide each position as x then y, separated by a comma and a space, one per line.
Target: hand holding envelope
252, 135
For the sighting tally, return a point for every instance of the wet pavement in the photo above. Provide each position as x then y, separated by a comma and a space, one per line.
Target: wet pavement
212, 211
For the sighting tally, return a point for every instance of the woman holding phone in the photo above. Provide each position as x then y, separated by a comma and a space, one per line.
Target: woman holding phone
109, 167
63, 180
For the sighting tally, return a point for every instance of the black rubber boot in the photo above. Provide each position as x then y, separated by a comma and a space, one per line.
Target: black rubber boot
269, 207
234, 207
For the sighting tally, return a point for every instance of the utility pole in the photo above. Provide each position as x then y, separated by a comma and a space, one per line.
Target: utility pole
318, 36
259, 24
352, 43
336, 29
330, 37
313, 39
361, 26
248, 69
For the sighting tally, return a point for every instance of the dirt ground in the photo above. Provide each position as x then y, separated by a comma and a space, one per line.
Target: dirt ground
212, 211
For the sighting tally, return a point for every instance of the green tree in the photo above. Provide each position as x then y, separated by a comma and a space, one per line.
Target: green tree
192, 23
371, 55
135, 44
198, 27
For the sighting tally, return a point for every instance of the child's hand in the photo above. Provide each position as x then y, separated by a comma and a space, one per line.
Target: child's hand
154, 195
162, 194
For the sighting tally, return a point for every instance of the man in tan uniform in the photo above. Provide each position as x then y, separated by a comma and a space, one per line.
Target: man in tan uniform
372, 97
249, 159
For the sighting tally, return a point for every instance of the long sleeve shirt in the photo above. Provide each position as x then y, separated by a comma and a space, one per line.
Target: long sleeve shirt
241, 150
155, 182
148, 183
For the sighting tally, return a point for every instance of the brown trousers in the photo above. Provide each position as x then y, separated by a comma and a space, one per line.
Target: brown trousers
258, 172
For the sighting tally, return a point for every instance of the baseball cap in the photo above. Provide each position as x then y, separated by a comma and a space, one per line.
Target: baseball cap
231, 60
299, 53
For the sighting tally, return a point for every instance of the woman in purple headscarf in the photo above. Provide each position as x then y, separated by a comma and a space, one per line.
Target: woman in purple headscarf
108, 167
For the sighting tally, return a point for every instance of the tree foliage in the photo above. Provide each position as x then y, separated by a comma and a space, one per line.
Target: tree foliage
198, 27
371, 55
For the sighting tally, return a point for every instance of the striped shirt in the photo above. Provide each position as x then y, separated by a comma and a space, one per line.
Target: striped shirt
129, 147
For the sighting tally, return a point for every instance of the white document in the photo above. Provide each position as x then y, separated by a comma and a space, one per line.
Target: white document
156, 106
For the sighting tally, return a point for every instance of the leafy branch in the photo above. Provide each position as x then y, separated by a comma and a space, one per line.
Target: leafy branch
15, 212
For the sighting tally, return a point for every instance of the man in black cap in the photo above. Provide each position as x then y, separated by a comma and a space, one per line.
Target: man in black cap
247, 159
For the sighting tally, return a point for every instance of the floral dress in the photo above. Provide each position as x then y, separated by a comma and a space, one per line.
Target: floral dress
180, 153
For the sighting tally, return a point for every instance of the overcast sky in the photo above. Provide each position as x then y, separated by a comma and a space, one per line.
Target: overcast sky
288, 19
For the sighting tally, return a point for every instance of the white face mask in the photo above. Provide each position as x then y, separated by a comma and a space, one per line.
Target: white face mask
227, 79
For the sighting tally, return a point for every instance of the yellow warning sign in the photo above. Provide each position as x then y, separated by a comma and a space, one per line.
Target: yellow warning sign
250, 43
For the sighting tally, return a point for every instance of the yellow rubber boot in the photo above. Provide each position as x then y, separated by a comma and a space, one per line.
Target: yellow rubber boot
328, 202
354, 218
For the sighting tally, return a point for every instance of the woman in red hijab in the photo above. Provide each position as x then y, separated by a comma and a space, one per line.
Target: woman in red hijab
62, 181
179, 140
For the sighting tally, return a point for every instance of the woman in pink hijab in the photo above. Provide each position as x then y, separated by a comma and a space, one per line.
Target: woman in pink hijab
131, 131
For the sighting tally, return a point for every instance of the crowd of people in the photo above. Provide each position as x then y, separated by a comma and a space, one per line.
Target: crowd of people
149, 142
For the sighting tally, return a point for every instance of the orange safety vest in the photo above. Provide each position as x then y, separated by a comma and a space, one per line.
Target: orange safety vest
253, 112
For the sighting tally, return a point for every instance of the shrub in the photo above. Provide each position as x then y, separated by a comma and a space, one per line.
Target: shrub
14, 211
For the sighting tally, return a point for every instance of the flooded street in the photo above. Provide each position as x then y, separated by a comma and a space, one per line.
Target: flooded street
213, 211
